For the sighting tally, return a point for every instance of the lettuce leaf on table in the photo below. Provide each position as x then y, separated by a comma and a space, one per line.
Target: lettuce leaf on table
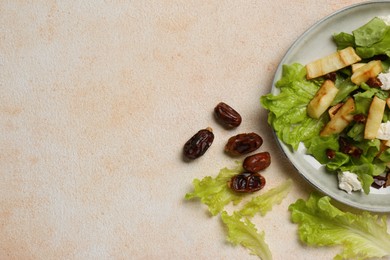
214, 192
242, 231
322, 224
264, 202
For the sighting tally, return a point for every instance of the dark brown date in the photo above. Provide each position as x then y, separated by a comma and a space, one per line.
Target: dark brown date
374, 82
257, 162
247, 182
359, 118
197, 145
331, 76
331, 154
243, 144
381, 181
348, 148
227, 115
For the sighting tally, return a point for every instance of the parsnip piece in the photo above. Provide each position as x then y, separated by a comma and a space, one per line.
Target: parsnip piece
332, 62
333, 110
356, 66
374, 118
322, 100
340, 120
369, 70
388, 102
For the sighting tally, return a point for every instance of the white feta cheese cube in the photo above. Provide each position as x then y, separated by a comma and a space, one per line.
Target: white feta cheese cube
385, 80
349, 182
384, 131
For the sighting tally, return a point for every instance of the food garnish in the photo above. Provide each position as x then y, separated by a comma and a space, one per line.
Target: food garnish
322, 224
214, 192
263, 203
241, 231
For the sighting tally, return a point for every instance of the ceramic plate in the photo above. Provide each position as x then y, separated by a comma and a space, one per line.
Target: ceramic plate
313, 44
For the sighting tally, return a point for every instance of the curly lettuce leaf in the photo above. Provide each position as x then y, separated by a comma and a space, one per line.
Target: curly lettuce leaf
264, 202
214, 192
365, 166
287, 109
373, 38
322, 224
344, 40
318, 146
241, 231
372, 32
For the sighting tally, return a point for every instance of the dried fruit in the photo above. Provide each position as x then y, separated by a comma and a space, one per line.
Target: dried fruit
374, 82
243, 144
331, 76
247, 182
330, 153
227, 115
197, 145
348, 148
257, 162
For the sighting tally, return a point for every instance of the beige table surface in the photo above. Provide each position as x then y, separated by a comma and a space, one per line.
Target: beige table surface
97, 100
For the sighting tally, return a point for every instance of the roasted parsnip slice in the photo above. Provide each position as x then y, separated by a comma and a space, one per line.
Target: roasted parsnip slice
322, 100
333, 110
333, 62
369, 70
340, 120
355, 66
374, 118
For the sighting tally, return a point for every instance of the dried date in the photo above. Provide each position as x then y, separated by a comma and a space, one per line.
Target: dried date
348, 148
243, 144
198, 144
227, 115
246, 182
359, 118
257, 162
374, 82
331, 76
330, 154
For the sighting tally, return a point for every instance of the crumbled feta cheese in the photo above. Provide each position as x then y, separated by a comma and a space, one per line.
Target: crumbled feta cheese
386, 19
385, 80
349, 182
384, 131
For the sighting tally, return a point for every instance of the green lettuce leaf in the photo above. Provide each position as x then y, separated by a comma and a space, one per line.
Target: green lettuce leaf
322, 224
372, 32
344, 40
264, 202
214, 192
339, 160
318, 146
346, 87
287, 109
373, 38
245, 233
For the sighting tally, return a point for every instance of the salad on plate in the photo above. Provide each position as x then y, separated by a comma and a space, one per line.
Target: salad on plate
338, 107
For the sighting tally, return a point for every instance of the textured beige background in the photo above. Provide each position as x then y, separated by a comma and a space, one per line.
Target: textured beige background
97, 99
